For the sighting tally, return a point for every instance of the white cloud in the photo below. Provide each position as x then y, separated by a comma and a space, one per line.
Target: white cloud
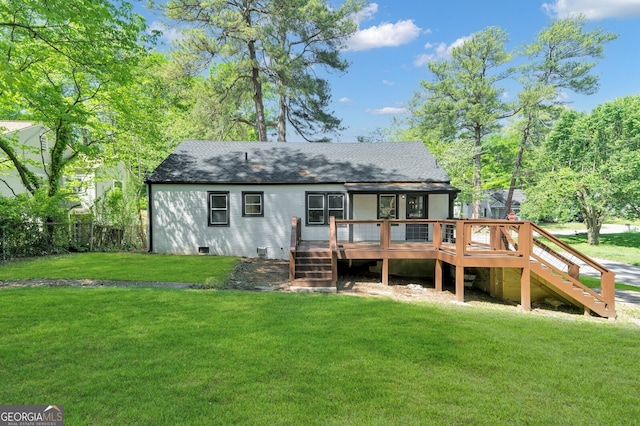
387, 111
439, 52
366, 13
169, 35
345, 100
388, 83
384, 35
593, 9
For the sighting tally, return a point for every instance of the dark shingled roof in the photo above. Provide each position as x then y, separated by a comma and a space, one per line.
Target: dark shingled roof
209, 162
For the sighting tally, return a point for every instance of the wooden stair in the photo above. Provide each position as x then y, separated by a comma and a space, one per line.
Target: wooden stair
313, 269
572, 290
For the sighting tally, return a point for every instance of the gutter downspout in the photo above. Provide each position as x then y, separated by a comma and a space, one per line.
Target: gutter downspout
150, 216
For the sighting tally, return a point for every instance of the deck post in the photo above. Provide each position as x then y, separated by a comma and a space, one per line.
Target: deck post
525, 240
525, 289
438, 275
494, 238
385, 241
385, 271
460, 283
295, 239
333, 247
437, 234
608, 286
460, 238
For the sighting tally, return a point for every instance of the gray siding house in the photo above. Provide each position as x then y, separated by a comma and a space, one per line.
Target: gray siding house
239, 198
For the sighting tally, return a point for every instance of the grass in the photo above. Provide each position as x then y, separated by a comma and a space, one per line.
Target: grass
592, 282
623, 247
164, 356
123, 267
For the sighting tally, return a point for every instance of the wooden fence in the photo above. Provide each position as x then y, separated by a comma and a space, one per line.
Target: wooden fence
37, 238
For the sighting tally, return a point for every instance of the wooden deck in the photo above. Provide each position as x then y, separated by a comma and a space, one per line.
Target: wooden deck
534, 253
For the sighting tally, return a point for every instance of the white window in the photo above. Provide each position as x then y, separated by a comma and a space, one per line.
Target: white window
322, 205
336, 205
252, 204
218, 208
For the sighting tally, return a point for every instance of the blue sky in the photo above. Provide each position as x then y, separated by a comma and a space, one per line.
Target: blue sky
396, 38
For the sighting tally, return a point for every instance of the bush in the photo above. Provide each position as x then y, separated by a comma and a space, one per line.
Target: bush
32, 226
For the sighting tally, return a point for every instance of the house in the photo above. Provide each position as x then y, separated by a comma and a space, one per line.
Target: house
31, 143
238, 198
382, 205
497, 200
493, 204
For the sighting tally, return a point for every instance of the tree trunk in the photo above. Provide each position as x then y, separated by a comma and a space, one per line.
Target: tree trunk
282, 119
477, 176
517, 165
27, 177
58, 161
593, 233
593, 220
261, 125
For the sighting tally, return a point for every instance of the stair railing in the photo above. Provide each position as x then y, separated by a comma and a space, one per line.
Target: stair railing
333, 248
607, 282
296, 235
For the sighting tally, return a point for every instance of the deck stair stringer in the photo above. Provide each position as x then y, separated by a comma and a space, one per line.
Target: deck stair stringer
571, 288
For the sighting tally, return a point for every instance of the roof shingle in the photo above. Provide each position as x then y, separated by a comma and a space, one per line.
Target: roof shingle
264, 162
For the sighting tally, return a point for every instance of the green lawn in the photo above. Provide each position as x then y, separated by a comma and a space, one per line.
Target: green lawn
623, 247
123, 266
165, 356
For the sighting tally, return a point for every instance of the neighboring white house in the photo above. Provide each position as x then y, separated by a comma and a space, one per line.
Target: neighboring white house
493, 206
31, 144
30, 140
239, 198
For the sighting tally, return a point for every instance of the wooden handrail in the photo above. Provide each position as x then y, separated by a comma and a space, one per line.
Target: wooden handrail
516, 239
296, 233
333, 234
567, 248
607, 279
572, 267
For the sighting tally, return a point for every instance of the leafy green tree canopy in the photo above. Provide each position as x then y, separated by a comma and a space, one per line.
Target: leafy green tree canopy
271, 48
590, 165
60, 57
462, 104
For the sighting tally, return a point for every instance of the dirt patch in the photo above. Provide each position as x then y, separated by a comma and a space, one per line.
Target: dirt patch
60, 282
260, 274
273, 275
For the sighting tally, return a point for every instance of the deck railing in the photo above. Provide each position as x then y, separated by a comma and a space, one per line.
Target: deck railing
296, 235
572, 263
471, 237
471, 243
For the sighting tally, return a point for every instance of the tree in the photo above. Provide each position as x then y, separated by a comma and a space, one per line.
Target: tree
62, 56
274, 43
500, 152
463, 102
196, 110
561, 58
138, 117
303, 36
590, 166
